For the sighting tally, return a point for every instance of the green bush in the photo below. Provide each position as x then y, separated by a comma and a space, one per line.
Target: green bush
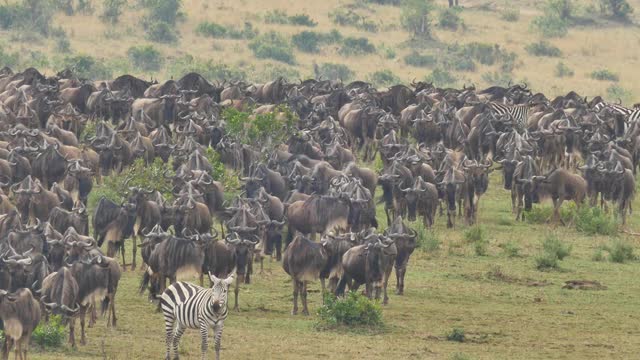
7, 58
308, 41
498, 78
112, 10
272, 46
49, 335
546, 261
427, 240
475, 233
511, 249
449, 18
281, 17
334, 71
214, 30
457, 63
139, 174
85, 66
456, 334
598, 255
562, 70
552, 245
348, 17
145, 57
356, 46
273, 71
383, 78
440, 77
159, 31
354, 310
416, 17
418, 60
618, 92
28, 16
551, 26
538, 215
387, 52
604, 75
165, 11
510, 15
265, 129
594, 221
543, 48
620, 251
207, 68
219, 169
617, 9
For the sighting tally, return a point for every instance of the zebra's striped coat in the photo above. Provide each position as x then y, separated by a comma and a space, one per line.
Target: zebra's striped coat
186, 305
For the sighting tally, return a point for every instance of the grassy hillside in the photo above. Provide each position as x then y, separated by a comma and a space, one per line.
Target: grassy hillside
593, 43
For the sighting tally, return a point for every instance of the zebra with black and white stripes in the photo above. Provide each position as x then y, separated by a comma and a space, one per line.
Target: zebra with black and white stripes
518, 113
186, 305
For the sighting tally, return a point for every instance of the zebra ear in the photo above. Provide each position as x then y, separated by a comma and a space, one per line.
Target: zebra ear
213, 278
228, 281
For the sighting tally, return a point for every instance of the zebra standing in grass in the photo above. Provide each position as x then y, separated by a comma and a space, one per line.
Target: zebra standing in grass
518, 113
189, 306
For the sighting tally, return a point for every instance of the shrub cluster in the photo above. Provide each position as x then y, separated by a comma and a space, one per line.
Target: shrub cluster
333, 71
145, 57
215, 30
604, 75
449, 18
281, 17
553, 251
562, 70
543, 48
311, 41
354, 310
273, 46
356, 46
207, 68
593, 221
348, 17
51, 334
383, 78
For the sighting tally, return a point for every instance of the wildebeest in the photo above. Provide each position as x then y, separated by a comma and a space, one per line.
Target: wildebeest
303, 260
59, 295
318, 214
20, 314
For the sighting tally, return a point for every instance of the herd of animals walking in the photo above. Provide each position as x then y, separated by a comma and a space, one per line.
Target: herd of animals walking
437, 147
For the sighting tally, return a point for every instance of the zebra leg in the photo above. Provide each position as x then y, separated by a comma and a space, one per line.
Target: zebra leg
176, 341
168, 327
217, 338
204, 335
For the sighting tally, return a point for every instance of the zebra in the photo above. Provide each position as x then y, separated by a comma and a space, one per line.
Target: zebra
189, 306
519, 113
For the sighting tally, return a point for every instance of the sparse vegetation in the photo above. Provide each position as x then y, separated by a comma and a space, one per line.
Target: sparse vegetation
620, 251
349, 17
352, 46
441, 77
272, 46
457, 335
553, 251
593, 221
214, 30
145, 58
383, 78
511, 249
207, 68
428, 240
510, 15
604, 75
112, 10
281, 17
556, 18
50, 335
352, 311
616, 91
616, 9
416, 17
311, 41
418, 60
562, 70
449, 18
333, 71
543, 48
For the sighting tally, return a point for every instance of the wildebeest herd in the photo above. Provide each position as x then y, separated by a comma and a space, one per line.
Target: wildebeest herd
436, 147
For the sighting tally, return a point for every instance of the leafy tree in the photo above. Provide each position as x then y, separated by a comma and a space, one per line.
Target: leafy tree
415, 17
111, 10
618, 9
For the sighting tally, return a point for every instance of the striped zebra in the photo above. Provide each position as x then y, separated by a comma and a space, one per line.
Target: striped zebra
189, 306
619, 109
518, 113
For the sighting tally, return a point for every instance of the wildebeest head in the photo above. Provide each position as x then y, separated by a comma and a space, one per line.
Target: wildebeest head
243, 248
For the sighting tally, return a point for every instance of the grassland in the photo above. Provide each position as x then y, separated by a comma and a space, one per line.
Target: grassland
589, 47
507, 308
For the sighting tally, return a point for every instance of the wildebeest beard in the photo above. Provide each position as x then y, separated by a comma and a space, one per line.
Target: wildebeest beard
451, 196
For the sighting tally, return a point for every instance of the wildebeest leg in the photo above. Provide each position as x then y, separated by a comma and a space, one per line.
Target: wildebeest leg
323, 288
83, 313
513, 201
134, 251
236, 291
387, 275
112, 307
305, 309
398, 281
72, 331
94, 314
6, 347
368, 288
386, 212
247, 275
295, 296
124, 263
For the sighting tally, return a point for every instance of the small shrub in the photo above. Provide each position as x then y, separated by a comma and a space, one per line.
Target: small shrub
481, 248
460, 356
510, 15
511, 249
63, 44
598, 255
505, 221
551, 26
387, 52
334, 71
356, 46
562, 70
209, 69
594, 221
384, 78
538, 215
348, 17
85, 66
441, 78
418, 60
145, 57
308, 41
617, 9
618, 92
49, 335
474, 234
112, 10
281, 17
214, 30
621, 251
272, 46
449, 18
7, 58
159, 31
354, 310
457, 335
164, 11
546, 261
552, 245
272, 71
604, 75
543, 48
415, 17
427, 240
457, 63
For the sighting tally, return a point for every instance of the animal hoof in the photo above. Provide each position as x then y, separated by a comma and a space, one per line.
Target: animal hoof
305, 312
294, 312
